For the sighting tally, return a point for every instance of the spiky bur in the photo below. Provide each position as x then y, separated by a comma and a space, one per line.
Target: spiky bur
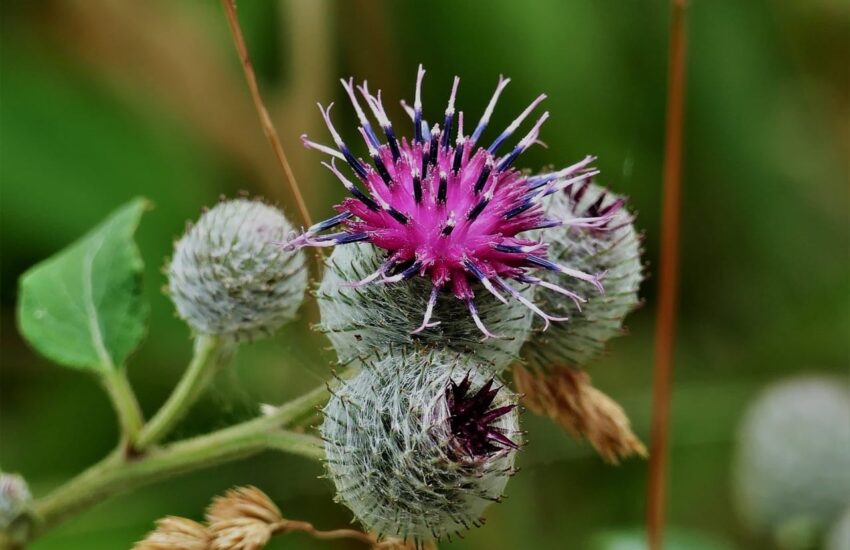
360, 320
611, 246
445, 209
419, 445
792, 465
228, 278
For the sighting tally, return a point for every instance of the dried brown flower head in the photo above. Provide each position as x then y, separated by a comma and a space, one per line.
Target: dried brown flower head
566, 395
240, 534
244, 518
243, 502
176, 533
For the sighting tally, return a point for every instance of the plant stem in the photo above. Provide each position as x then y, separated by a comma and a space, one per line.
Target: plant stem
668, 281
265, 120
125, 403
262, 112
114, 474
211, 353
118, 473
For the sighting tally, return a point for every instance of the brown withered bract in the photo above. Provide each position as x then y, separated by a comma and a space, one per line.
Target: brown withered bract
242, 533
244, 518
243, 502
176, 533
566, 395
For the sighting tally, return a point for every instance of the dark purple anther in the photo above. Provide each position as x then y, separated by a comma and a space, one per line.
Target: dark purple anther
471, 419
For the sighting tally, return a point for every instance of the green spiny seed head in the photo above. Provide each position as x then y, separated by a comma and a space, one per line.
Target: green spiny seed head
360, 320
229, 278
615, 250
792, 462
419, 445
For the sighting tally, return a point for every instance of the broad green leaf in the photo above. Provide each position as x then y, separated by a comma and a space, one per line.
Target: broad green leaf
83, 307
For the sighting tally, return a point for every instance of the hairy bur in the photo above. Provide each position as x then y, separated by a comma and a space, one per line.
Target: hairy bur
419, 445
227, 278
362, 320
612, 248
448, 211
792, 465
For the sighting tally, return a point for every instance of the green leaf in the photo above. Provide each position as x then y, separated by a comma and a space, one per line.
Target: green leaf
83, 307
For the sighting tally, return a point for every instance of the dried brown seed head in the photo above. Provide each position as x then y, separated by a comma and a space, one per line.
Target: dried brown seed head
176, 533
241, 533
566, 395
243, 503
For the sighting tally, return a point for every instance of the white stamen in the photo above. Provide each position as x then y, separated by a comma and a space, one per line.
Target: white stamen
556, 185
319, 147
527, 303
349, 89
488, 112
487, 334
375, 105
560, 290
372, 151
429, 310
515, 124
529, 138
332, 167
451, 107
368, 279
417, 100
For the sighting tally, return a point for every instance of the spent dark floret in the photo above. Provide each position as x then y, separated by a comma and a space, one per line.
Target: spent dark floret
471, 419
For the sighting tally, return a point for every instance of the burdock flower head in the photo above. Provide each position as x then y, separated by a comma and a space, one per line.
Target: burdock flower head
447, 209
418, 445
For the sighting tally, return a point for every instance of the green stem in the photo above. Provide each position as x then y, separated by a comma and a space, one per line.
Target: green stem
114, 474
118, 473
211, 353
125, 403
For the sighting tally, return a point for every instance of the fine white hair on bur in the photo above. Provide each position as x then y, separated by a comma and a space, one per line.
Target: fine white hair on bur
792, 458
614, 248
360, 320
392, 454
228, 278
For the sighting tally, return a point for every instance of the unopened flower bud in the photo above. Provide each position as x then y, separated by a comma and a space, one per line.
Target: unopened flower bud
15, 498
367, 318
792, 462
598, 237
229, 278
418, 446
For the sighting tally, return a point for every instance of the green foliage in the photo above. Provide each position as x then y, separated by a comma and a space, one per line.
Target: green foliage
83, 307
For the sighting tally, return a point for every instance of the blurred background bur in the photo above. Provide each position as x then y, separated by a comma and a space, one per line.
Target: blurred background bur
103, 100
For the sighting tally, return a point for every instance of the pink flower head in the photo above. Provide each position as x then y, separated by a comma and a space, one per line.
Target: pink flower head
449, 210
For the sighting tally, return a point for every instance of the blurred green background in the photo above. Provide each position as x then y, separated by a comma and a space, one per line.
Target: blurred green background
104, 100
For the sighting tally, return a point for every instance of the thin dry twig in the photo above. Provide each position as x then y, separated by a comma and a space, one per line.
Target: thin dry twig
665, 333
262, 112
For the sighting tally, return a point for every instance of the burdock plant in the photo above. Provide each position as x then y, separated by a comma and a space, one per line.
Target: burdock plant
446, 252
